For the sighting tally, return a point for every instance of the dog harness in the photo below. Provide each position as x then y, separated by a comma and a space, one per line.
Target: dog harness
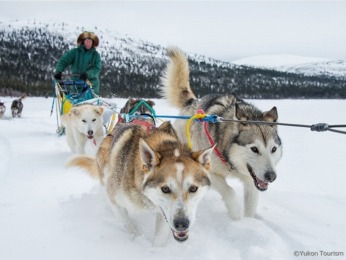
211, 141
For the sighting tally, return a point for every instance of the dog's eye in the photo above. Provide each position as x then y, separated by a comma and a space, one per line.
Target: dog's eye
94, 119
84, 121
254, 149
193, 188
274, 149
166, 189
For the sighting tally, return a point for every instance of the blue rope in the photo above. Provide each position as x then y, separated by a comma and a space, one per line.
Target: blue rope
320, 127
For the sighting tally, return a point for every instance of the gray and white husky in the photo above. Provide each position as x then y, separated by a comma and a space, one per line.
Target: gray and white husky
247, 151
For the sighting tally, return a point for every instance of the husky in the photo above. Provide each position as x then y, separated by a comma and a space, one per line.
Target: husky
2, 109
17, 107
243, 150
131, 106
84, 122
153, 171
143, 111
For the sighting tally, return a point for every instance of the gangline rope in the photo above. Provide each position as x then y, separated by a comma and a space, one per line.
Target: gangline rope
319, 127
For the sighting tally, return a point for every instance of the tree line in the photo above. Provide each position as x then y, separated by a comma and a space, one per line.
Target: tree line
29, 55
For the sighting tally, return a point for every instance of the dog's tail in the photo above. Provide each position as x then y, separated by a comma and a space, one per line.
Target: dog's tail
87, 163
175, 81
23, 96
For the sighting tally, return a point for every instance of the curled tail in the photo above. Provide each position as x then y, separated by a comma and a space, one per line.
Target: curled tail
175, 81
87, 163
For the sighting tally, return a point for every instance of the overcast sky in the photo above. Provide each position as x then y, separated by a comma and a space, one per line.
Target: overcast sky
226, 30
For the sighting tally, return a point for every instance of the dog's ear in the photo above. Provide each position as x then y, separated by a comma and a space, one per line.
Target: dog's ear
149, 157
271, 115
150, 102
132, 103
240, 113
99, 110
123, 110
168, 128
75, 111
203, 157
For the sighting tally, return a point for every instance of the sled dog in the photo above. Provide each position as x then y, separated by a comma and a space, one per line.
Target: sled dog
84, 122
103, 152
131, 106
246, 151
17, 107
153, 171
2, 109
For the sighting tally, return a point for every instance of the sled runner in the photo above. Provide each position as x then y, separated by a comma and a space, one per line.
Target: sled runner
69, 93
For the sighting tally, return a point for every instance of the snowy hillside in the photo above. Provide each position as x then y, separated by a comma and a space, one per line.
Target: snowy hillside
133, 67
309, 66
48, 212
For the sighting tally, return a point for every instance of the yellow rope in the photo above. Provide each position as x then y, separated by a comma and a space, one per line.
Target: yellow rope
187, 129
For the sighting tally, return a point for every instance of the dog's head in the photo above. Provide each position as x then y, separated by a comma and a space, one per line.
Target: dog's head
257, 148
138, 107
87, 119
175, 180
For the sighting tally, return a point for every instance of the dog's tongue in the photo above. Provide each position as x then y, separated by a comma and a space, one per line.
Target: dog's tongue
181, 235
261, 184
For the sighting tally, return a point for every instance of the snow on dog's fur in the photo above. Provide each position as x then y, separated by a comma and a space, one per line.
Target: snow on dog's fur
153, 171
83, 123
248, 151
103, 153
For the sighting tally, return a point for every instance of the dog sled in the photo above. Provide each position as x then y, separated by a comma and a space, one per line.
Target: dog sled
70, 93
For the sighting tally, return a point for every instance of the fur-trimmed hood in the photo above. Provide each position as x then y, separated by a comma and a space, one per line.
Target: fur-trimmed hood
88, 35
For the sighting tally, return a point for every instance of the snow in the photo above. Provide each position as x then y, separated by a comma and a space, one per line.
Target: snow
309, 66
274, 61
50, 212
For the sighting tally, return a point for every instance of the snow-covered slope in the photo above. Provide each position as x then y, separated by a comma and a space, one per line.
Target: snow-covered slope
297, 64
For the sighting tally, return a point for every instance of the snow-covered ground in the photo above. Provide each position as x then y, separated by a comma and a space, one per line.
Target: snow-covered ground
50, 212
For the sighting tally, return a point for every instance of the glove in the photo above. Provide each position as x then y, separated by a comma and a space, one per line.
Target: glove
83, 76
58, 75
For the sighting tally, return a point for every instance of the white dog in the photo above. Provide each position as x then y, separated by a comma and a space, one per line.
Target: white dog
83, 122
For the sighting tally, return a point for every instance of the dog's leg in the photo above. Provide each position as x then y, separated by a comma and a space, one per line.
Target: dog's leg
228, 195
131, 227
71, 140
250, 199
80, 144
161, 230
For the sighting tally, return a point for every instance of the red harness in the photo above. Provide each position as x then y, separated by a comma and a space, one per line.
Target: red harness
210, 139
150, 127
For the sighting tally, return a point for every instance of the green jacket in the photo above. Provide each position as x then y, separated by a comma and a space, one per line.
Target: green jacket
82, 60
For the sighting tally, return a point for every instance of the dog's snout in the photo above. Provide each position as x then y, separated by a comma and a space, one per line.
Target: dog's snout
90, 132
270, 176
181, 224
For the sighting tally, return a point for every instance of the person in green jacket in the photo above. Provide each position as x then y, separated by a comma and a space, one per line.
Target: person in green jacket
85, 61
